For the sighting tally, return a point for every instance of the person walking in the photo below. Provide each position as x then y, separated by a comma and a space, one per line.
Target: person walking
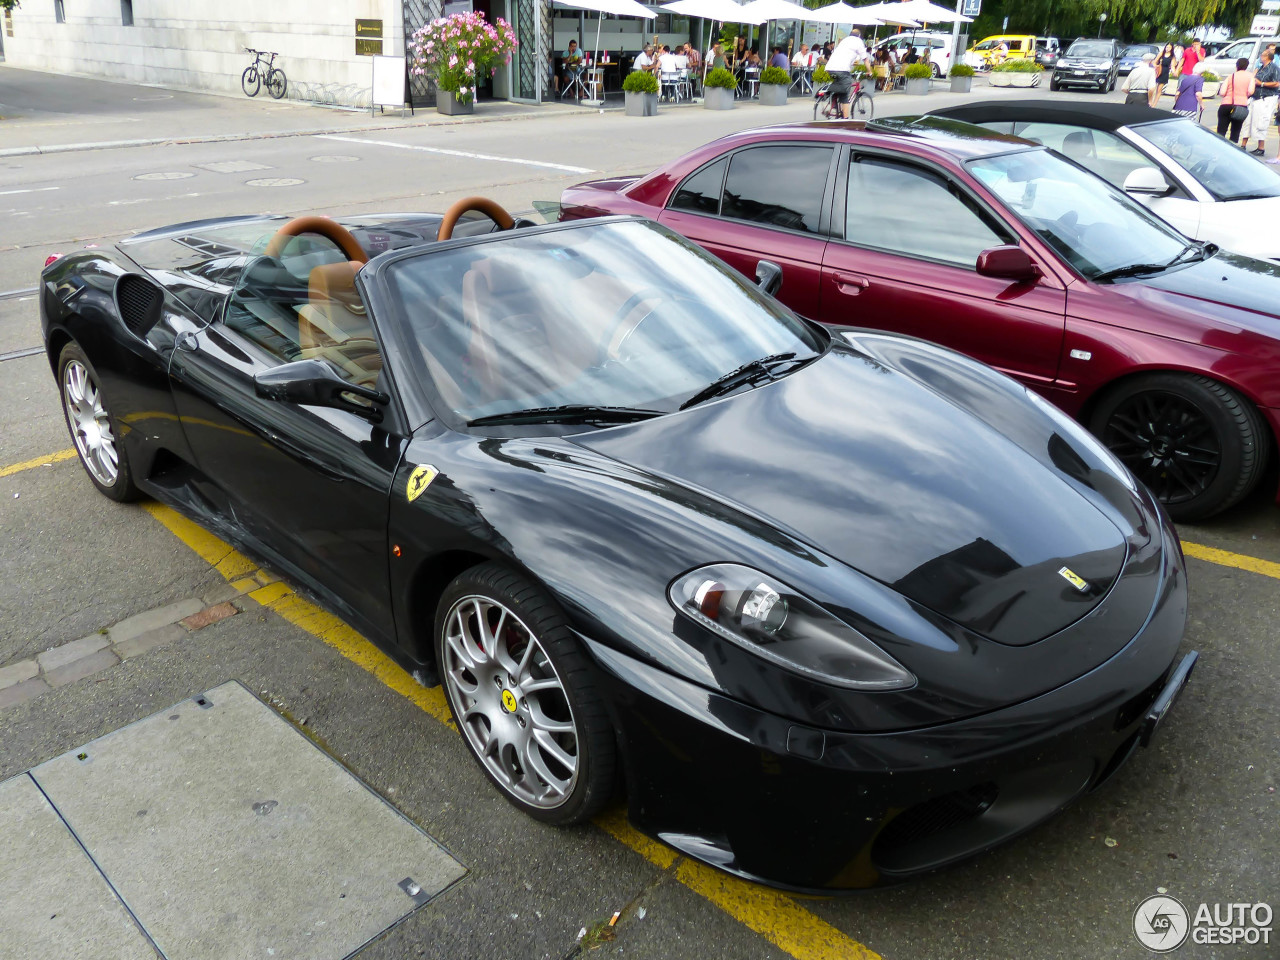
1141, 81
1235, 101
1263, 108
1189, 102
1165, 64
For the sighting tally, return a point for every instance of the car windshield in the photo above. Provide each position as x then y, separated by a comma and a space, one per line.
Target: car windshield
987, 45
1093, 226
1091, 48
623, 314
1222, 167
1138, 49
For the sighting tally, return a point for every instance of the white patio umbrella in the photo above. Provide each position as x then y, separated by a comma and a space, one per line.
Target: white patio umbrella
719, 11
923, 11
619, 8
841, 12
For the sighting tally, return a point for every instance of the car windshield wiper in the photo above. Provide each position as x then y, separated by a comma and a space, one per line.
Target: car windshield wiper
749, 372
1191, 252
568, 413
1249, 196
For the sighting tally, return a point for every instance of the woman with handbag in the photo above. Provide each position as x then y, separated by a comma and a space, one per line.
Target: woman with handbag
1234, 108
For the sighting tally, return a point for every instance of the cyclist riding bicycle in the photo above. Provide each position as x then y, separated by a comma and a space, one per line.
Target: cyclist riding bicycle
848, 51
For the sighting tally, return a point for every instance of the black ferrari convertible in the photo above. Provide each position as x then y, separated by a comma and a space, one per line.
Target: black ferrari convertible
834, 608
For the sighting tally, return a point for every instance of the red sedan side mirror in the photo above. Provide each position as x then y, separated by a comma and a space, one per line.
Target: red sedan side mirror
1007, 263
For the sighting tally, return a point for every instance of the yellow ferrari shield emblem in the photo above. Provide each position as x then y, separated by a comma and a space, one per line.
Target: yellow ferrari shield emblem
509, 701
419, 480
1073, 578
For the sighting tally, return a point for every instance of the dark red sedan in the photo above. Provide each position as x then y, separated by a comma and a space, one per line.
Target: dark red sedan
1168, 349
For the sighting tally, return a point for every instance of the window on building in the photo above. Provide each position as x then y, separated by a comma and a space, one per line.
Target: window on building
126, 13
59, 14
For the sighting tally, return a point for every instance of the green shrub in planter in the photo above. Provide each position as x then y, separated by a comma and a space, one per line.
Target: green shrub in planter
1210, 77
820, 75
961, 70
1021, 65
719, 77
640, 81
861, 69
918, 71
775, 75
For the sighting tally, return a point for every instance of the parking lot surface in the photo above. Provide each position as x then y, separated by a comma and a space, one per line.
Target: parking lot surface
164, 612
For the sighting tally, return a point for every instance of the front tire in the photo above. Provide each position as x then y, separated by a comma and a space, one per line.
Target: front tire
1196, 443
862, 108
93, 430
1054, 86
520, 689
250, 82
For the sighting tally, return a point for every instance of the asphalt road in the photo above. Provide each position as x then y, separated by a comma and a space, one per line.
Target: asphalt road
1196, 814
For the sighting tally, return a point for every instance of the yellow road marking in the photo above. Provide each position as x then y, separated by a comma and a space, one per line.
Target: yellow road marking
773, 915
37, 462
1227, 559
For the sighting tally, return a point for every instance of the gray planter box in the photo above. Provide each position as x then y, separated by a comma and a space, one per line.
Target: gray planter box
718, 98
773, 94
918, 86
961, 84
641, 104
448, 104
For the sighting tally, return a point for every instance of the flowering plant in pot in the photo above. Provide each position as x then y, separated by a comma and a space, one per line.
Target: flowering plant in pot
454, 51
774, 82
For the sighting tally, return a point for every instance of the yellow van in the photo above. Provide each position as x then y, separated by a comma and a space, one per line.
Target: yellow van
988, 51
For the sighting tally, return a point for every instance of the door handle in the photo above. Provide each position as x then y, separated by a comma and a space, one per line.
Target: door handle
851, 283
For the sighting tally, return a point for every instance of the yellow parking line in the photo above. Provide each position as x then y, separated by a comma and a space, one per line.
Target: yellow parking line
48, 460
773, 915
1227, 559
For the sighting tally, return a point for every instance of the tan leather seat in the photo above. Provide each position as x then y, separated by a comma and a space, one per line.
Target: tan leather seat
333, 323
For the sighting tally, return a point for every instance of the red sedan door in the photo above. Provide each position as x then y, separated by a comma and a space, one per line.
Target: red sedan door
762, 202
906, 237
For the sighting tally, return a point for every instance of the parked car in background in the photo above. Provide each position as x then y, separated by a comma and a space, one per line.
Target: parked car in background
939, 45
1048, 51
987, 51
1223, 63
1196, 180
1213, 47
1091, 64
1131, 56
1006, 251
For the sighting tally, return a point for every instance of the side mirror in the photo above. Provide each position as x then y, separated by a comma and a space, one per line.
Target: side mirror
768, 277
1147, 181
1007, 262
317, 384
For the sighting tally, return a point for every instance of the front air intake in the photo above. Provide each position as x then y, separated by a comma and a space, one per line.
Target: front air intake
139, 302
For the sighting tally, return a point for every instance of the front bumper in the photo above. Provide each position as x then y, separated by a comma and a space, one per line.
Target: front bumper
821, 811
1082, 77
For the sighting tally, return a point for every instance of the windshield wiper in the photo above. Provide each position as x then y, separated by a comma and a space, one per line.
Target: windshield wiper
1198, 251
568, 413
1249, 196
749, 372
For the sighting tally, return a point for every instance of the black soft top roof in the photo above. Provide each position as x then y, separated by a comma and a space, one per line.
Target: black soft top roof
1096, 116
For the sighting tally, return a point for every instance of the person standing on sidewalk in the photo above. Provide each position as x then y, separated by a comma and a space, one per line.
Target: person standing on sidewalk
1263, 108
1234, 108
1191, 56
1141, 81
1164, 65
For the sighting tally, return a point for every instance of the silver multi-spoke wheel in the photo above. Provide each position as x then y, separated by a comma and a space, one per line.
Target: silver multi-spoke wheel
510, 702
90, 425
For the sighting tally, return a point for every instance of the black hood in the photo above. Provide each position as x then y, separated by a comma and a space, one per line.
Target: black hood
864, 463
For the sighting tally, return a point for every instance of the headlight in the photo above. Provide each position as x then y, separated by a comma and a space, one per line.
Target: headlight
1105, 65
773, 621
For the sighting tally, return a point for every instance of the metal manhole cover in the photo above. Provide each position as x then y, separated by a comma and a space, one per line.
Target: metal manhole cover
167, 175
335, 158
274, 182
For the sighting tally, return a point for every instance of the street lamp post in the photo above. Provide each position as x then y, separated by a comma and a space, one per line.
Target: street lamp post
1102, 18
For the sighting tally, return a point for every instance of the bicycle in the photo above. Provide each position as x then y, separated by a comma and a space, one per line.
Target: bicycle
825, 107
263, 70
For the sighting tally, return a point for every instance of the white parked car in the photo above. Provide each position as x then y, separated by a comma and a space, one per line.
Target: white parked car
1223, 63
939, 47
1199, 182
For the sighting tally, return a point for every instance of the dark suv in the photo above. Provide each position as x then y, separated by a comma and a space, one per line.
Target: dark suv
1087, 63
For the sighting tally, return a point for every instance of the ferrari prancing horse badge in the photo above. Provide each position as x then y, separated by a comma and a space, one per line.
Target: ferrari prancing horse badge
419, 480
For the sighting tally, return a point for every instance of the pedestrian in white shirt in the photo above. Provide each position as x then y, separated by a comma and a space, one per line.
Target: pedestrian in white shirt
1141, 81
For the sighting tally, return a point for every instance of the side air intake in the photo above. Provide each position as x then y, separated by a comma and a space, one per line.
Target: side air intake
139, 302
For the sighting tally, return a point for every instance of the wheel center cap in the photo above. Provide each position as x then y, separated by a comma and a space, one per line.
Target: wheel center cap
508, 701
1162, 446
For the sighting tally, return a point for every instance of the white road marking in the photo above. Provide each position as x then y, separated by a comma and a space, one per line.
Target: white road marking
5, 193
456, 153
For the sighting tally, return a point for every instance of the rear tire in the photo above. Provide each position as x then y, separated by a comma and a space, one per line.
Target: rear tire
521, 691
277, 83
250, 82
92, 427
1197, 444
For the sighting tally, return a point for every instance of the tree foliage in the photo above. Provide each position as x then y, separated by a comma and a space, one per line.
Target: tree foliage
1140, 20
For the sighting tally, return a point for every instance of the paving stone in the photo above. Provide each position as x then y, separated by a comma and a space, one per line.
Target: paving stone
51, 660
143, 622
81, 668
17, 672
219, 611
221, 594
22, 692
152, 638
